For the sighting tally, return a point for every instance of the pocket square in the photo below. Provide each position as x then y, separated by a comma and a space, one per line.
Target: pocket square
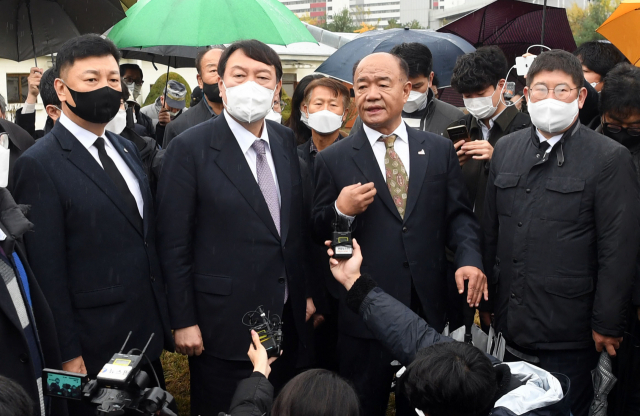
421, 152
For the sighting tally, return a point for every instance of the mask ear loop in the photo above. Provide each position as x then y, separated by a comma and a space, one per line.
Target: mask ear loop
538, 46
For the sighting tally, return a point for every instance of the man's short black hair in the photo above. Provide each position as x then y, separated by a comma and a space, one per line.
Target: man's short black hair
14, 400
125, 67
450, 379
404, 67
417, 56
202, 53
47, 91
557, 60
84, 46
475, 71
255, 50
620, 95
599, 57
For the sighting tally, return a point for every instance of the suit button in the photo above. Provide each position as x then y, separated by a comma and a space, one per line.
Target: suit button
538, 155
513, 296
146, 244
24, 358
153, 279
281, 280
405, 264
405, 229
528, 191
519, 224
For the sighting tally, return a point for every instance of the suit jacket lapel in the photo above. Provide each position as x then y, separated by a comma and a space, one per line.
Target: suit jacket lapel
283, 172
234, 165
80, 156
368, 165
418, 161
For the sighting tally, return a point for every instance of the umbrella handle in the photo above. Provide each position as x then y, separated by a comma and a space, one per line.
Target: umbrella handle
468, 313
33, 42
166, 84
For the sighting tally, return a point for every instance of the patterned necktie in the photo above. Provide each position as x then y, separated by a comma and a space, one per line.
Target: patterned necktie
266, 183
397, 179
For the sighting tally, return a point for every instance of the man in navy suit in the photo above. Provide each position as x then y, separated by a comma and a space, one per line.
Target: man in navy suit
231, 231
403, 194
93, 246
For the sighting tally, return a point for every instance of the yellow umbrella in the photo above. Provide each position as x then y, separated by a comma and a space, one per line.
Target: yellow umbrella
622, 29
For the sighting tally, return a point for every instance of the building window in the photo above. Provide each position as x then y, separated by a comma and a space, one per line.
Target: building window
289, 83
17, 88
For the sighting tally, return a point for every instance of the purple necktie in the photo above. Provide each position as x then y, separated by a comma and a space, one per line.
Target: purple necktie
268, 187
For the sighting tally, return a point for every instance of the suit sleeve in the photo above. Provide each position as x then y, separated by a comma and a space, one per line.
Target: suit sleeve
176, 202
490, 227
169, 134
46, 248
27, 122
463, 230
616, 213
325, 196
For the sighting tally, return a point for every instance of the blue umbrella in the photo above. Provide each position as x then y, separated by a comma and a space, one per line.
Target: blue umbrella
445, 48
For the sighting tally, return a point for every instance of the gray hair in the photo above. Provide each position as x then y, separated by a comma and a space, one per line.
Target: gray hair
3, 105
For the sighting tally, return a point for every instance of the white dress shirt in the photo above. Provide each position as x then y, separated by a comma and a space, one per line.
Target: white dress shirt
28, 108
88, 139
245, 139
552, 141
401, 147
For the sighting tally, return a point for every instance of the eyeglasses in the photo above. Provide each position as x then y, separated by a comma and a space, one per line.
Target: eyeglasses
561, 92
132, 81
283, 105
612, 128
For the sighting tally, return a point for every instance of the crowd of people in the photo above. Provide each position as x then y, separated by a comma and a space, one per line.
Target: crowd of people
118, 218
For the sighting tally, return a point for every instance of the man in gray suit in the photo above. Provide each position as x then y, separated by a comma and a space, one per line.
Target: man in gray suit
211, 104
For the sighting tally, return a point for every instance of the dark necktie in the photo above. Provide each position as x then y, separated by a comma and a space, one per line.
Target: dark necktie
110, 168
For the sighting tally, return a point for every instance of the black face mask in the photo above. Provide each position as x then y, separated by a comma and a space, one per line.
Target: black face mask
98, 106
623, 137
212, 91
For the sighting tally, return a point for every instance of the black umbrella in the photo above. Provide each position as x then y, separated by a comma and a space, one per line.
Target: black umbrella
32, 28
603, 382
444, 47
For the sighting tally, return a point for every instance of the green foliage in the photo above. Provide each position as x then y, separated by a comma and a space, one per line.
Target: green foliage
342, 22
584, 22
158, 87
286, 112
395, 24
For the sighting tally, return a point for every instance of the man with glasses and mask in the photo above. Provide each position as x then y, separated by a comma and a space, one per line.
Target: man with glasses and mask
231, 231
93, 246
561, 232
211, 104
131, 75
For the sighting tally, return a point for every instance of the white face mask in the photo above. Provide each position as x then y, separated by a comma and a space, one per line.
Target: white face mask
551, 115
272, 115
134, 90
248, 102
118, 123
304, 119
417, 101
325, 121
481, 107
4, 159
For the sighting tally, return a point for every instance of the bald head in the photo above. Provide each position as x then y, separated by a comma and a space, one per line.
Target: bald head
381, 85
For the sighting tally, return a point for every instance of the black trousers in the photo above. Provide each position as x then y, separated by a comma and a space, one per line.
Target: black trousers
575, 364
214, 380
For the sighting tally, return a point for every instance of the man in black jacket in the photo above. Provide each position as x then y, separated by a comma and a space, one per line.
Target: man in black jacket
211, 104
561, 232
93, 245
29, 339
401, 190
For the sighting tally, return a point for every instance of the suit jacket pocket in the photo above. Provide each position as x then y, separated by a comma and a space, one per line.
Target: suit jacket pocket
99, 297
506, 193
563, 198
214, 285
569, 287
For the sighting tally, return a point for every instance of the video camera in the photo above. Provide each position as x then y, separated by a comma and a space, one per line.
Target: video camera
268, 329
119, 389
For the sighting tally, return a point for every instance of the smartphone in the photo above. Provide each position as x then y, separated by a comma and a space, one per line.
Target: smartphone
509, 90
523, 64
458, 133
63, 384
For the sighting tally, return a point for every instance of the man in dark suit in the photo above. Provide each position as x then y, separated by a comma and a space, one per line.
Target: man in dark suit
93, 245
402, 191
231, 231
29, 339
211, 104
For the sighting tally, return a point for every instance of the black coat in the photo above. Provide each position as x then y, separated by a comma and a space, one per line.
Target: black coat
28, 122
220, 250
399, 252
97, 268
16, 362
196, 115
561, 238
19, 140
253, 397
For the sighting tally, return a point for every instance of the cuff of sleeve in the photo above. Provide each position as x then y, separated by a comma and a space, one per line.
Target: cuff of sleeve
257, 374
359, 291
28, 108
606, 332
350, 218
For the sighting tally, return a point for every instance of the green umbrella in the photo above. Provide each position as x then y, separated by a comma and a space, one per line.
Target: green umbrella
207, 22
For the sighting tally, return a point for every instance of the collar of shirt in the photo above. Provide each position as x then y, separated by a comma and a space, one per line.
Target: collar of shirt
373, 135
206, 103
552, 141
492, 122
84, 136
314, 150
244, 137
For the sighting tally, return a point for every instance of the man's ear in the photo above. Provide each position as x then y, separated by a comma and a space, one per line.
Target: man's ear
52, 112
406, 90
433, 74
278, 88
199, 79
58, 85
582, 96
